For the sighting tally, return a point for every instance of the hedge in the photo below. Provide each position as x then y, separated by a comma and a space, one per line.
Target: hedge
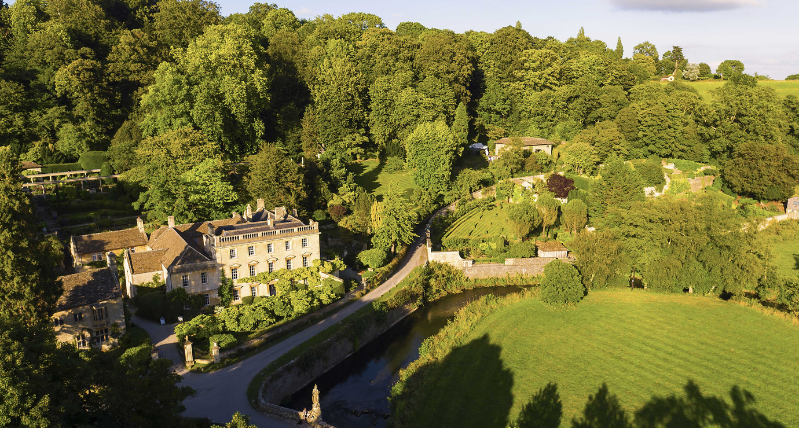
93, 160
224, 341
61, 167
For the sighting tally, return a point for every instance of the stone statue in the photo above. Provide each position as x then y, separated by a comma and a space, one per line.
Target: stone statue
314, 417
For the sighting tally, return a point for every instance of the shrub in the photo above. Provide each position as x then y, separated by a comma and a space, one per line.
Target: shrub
521, 250
224, 341
373, 258
247, 300
320, 215
651, 173
93, 160
394, 164
337, 212
561, 284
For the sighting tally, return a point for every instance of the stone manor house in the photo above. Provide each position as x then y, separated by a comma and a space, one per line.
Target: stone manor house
195, 256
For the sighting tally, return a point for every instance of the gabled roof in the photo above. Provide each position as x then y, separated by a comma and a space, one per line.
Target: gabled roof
550, 246
146, 261
110, 241
178, 250
526, 141
88, 287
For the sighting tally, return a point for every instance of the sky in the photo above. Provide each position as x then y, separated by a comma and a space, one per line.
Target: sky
763, 34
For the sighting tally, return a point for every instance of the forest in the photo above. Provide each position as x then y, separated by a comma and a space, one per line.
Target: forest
150, 81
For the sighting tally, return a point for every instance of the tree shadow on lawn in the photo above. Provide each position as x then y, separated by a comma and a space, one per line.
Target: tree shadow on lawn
796, 261
470, 387
366, 179
691, 410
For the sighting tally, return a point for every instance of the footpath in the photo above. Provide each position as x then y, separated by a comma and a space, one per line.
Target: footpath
222, 393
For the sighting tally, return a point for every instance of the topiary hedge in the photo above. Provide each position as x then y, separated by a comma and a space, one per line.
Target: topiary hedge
93, 160
61, 167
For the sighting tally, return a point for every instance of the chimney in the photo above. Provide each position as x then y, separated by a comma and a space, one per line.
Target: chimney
269, 221
171, 221
234, 214
260, 205
294, 212
248, 213
111, 259
140, 224
280, 213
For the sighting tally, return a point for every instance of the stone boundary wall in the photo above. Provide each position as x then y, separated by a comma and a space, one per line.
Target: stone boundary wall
293, 376
529, 267
793, 215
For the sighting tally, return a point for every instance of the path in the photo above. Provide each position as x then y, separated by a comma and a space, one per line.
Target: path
222, 393
164, 339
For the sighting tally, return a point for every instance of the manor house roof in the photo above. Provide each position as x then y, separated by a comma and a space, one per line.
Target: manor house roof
109, 241
526, 141
88, 287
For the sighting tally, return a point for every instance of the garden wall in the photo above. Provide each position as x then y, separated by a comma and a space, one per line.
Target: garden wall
302, 370
529, 267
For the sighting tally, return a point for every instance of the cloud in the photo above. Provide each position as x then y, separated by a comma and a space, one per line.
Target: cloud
304, 12
684, 5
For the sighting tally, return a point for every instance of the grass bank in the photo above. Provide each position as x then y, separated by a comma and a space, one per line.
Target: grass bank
782, 87
482, 372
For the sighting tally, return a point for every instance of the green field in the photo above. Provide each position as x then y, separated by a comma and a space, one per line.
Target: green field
369, 174
480, 223
640, 344
783, 87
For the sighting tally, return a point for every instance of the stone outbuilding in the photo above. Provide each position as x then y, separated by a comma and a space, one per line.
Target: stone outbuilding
552, 249
792, 205
527, 143
90, 312
94, 247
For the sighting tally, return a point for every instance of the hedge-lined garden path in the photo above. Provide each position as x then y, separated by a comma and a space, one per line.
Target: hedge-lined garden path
222, 393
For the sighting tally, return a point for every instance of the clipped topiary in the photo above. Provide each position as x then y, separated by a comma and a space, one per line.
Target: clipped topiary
561, 284
224, 341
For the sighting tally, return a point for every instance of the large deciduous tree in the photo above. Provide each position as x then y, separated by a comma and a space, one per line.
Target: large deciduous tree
763, 171
548, 207
561, 284
218, 85
617, 188
431, 149
575, 215
394, 223
524, 218
275, 178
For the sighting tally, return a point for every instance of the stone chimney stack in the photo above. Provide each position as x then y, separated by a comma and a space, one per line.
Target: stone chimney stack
260, 205
140, 224
248, 213
294, 212
111, 259
171, 221
280, 213
269, 221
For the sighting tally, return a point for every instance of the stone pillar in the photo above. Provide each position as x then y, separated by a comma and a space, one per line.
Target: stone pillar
189, 353
215, 353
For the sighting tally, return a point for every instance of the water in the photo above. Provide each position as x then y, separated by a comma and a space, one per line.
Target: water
355, 392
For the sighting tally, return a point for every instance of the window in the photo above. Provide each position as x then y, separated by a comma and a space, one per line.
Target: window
254, 291
232, 253
99, 314
80, 340
271, 267
304, 261
252, 270
96, 257
288, 264
185, 280
251, 250
236, 296
78, 316
203, 278
58, 321
288, 245
270, 248
304, 242
234, 273
272, 290
101, 335
207, 299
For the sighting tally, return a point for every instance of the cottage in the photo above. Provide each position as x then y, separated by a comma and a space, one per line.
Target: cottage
528, 143
792, 205
195, 256
90, 311
552, 249
30, 166
94, 247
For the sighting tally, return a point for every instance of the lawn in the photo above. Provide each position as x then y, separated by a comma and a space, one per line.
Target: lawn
369, 174
785, 257
480, 223
640, 344
783, 87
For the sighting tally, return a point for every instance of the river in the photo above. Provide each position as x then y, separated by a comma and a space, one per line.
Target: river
355, 392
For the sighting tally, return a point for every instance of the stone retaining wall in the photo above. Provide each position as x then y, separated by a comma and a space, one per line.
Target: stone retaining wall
529, 267
298, 373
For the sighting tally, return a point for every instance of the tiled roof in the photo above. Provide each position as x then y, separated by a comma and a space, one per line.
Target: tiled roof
178, 250
526, 141
550, 246
146, 261
109, 241
88, 287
